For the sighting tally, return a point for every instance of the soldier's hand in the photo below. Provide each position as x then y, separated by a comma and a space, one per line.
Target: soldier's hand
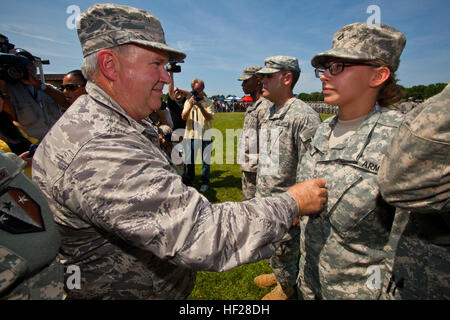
310, 195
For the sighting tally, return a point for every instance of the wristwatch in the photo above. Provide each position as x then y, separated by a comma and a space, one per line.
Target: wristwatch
43, 86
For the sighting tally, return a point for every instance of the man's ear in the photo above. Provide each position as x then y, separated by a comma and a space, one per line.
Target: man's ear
287, 78
380, 75
108, 64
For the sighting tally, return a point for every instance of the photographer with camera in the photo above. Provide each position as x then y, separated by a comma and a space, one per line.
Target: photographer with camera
198, 112
36, 106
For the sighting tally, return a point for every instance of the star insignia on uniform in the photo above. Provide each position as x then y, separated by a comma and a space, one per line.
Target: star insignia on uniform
7, 205
22, 199
3, 218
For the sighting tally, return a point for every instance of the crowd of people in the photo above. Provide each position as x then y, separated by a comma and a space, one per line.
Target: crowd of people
354, 207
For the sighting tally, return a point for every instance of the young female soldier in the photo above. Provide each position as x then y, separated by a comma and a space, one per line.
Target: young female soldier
342, 248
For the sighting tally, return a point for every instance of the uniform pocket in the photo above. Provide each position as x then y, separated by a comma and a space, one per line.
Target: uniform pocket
12, 267
346, 204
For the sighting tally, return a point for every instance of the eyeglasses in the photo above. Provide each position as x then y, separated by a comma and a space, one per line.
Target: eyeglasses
70, 86
338, 67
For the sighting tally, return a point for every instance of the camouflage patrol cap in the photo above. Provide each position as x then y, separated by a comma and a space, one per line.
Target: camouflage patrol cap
249, 72
105, 26
278, 63
360, 41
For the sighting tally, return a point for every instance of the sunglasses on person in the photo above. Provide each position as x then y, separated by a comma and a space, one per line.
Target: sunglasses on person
70, 86
337, 67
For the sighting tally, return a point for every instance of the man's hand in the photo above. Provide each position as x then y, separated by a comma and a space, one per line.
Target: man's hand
310, 195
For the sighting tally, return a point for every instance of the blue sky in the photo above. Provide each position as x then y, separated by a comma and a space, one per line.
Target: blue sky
221, 38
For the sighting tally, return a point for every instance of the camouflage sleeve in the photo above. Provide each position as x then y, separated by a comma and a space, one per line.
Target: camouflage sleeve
415, 174
125, 186
306, 126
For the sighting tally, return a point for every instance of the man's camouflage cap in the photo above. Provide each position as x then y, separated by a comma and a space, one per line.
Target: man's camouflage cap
279, 63
362, 41
105, 26
249, 72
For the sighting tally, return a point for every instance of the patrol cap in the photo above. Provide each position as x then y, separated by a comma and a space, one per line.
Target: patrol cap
249, 72
361, 41
104, 26
278, 63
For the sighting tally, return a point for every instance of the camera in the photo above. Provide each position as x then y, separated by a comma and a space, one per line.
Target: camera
195, 94
174, 67
12, 67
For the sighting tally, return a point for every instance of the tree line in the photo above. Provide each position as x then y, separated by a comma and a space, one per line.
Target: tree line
419, 92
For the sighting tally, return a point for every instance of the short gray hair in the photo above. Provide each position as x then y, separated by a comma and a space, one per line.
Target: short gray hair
90, 62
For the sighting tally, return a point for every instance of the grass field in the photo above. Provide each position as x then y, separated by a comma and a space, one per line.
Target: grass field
235, 284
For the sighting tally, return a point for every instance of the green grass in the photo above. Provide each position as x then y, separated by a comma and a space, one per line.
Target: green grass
225, 185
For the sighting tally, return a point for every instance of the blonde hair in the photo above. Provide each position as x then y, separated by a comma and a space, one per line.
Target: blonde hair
199, 81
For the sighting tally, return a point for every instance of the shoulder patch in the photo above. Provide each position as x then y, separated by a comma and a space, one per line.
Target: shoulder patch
19, 213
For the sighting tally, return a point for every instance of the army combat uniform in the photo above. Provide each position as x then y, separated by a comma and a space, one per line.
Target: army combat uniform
342, 246
280, 154
127, 220
415, 178
29, 241
248, 146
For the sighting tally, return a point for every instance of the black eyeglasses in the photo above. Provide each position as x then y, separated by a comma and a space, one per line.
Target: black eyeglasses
70, 86
337, 67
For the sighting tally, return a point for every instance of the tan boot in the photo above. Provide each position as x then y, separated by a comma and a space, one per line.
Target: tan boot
265, 280
279, 294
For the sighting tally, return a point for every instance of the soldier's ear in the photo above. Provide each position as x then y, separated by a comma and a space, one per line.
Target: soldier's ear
380, 75
107, 62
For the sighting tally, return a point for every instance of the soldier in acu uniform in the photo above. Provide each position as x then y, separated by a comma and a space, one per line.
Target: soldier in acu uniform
248, 141
415, 178
284, 139
29, 240
126, 219
342, 249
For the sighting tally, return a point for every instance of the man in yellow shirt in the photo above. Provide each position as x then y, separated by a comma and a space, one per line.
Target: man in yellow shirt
198, 112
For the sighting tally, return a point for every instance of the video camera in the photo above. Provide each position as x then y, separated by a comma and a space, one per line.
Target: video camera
174, 67
14, 66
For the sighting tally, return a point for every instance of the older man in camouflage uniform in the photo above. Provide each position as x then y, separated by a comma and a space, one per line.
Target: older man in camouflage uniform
283, 143
29, 240
415, 178
248, 141
126, 219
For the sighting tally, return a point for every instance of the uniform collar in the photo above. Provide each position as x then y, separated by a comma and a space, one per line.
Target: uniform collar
352, 148
279, 112
96, 93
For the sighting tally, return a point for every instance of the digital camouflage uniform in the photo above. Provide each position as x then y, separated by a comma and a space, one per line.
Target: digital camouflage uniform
415, 178
282, 146
126, 219
341, 244
248, 142
342, 249
29, 241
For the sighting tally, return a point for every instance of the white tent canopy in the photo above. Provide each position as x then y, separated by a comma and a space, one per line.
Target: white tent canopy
233, 99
